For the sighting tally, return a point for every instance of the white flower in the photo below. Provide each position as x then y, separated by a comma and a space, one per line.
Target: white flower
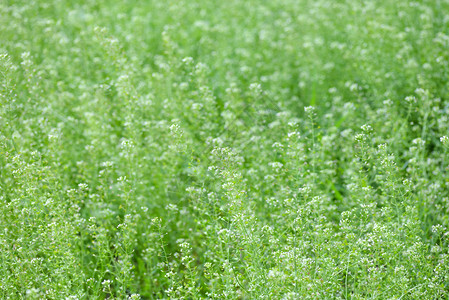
418, 141
367, 128
309, 109
172, 207
410, 99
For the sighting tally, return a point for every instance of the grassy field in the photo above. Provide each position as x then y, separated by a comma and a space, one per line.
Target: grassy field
194, 149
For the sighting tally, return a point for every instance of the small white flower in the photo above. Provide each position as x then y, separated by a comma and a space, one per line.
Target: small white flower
83, 186
294, 133
277, 145
276, 165
309, 110
106, 282
176, 130
438, 229
367, 128
354, 87
256, 89
418, 141
187, 60
410, 99
172, 207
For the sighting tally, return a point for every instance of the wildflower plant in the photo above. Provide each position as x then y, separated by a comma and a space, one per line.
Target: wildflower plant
224, 149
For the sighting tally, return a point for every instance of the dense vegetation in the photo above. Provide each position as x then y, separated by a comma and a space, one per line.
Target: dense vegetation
192, 149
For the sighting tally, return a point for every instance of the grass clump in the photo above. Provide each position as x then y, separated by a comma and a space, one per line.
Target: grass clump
224, 149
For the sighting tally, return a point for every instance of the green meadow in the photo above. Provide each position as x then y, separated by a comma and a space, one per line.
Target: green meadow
240, 149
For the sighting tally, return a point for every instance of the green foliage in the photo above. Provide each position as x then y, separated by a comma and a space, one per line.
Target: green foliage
224, 149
